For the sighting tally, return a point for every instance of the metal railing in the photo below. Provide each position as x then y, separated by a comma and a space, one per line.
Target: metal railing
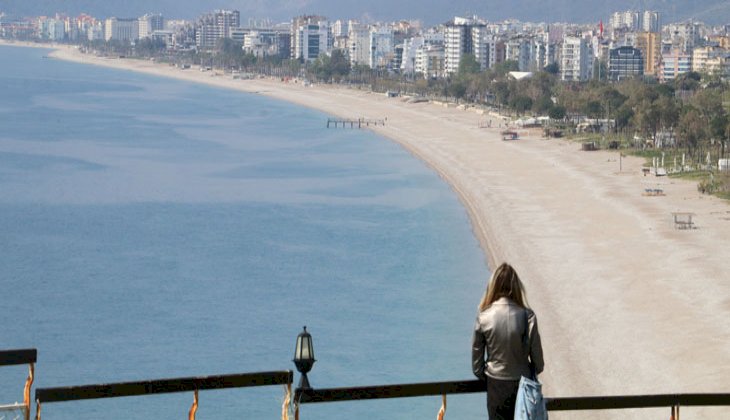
674, 401
18, 357
160, 386
21, 357
309, 395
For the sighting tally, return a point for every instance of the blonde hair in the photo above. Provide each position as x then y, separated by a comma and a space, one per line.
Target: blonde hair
504, 282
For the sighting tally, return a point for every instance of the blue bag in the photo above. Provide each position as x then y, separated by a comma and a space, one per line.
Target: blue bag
529, 404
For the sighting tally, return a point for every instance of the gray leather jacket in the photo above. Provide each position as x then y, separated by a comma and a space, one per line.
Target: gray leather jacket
500, 349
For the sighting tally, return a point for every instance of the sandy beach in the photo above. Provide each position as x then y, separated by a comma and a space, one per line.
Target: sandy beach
627, 303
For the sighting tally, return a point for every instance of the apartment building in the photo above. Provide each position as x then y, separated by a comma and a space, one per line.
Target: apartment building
410, 49
650, 21
465, 36
629, 19
51, 29
711, 59
624, 63
647, 20
310, 37
683, 36
430, 60
150, 23
523, 51
382, 49
121, 29
359, 43
576, 59
673, 64
214, 26
650, 44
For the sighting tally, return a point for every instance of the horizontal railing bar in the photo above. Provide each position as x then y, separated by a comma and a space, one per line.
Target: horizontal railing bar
18, 357
390, 391
462, 387
635, 401
160, 386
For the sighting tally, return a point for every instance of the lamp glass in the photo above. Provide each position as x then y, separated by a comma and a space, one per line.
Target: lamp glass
304, 350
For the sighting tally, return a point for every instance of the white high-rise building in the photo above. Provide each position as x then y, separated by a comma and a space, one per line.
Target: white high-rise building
576, 61
311, 36
72, 29
51, 29
410, 51
359, 43
261, 42
523, 51
381, 46
465, 36
214, 26
683, 36
544, 51
430, 60
650, 21
340, 28
150, 23
95, 32
121, 29
626, 20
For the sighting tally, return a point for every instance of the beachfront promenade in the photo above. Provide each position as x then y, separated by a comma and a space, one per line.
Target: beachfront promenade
628, 305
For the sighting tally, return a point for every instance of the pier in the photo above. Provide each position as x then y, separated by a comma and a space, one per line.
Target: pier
353, 123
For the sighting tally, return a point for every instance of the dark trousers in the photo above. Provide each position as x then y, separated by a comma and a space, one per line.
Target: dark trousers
501, 397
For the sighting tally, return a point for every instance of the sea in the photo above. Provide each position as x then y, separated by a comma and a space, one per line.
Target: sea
152, 228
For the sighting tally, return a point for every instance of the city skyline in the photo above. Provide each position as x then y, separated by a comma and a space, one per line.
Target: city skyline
708, 11
435, 52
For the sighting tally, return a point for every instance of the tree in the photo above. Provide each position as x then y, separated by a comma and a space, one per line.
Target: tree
501, 69
321, 68
457, 89
600, 70
623, 117
691, 129
521, 104
557, 112
331, 67
594, 109
149, 47
339, 64
501, 92
552, 68
688, 81
468, 66
542, 105
668, 112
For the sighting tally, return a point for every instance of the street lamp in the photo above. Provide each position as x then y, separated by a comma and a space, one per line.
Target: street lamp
304, 357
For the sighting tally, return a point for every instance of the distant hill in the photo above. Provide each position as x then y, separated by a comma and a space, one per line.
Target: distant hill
709, 11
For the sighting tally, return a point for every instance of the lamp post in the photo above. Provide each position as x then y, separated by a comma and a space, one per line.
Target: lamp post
304, 357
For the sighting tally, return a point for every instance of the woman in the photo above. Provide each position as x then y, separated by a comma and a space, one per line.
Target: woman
506, 330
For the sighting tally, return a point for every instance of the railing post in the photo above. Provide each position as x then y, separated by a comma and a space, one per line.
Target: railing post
442, 410
194, 408
26, 390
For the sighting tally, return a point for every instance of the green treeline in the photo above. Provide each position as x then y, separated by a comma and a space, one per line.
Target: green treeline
691, 111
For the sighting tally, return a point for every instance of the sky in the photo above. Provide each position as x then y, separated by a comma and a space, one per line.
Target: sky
429, 12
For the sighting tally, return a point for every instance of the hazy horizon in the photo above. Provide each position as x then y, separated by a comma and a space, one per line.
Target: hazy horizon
709, 11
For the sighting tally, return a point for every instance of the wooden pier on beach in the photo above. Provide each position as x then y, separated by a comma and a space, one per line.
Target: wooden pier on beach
353, 123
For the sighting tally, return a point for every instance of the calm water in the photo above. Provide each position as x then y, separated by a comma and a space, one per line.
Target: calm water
151, 228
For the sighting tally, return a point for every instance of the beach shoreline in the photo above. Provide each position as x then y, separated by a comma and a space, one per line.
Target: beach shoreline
627, 303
